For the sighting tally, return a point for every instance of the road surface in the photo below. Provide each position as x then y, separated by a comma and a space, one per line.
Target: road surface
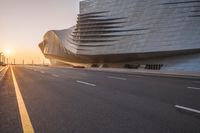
61, 100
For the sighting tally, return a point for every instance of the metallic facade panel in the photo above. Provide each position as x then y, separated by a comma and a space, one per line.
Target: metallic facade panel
127, 27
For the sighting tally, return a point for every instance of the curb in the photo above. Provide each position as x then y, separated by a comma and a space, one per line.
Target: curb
160, 74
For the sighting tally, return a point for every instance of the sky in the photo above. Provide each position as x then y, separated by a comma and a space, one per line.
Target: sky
24, 22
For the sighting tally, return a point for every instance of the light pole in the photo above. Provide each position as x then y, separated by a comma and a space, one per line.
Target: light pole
1, 57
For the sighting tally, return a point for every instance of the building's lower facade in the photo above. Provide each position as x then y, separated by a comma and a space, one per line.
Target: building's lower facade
146, 34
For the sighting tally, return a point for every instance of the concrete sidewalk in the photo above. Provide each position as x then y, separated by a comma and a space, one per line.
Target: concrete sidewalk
176, 74
150, 72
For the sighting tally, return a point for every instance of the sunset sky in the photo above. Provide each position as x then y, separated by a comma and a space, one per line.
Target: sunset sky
24, 22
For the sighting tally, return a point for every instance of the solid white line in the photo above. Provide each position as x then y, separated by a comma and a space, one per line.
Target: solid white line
25, 119
188, 109
82, 82
111, 77
55, 75
194, 88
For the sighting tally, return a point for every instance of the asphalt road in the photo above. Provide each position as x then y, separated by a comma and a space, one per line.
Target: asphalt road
60, 100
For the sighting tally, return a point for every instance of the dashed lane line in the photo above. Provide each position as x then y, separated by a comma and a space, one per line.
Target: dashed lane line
25, 119
86, 83
187, 109
136, 76
119, 78
194, 88
55, 75
42, 72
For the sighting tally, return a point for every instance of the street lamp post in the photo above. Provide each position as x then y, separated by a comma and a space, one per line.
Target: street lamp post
4, 59
0, 56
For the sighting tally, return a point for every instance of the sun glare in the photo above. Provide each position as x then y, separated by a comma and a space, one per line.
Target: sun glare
7, 51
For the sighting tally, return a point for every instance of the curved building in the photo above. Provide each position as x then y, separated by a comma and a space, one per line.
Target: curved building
118, 32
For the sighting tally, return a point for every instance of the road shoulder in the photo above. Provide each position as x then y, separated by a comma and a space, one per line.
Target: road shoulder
10, 120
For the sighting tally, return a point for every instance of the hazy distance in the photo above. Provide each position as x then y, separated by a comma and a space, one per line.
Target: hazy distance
24, 22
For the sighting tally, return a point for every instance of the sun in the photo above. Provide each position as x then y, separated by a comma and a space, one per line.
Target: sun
8, 51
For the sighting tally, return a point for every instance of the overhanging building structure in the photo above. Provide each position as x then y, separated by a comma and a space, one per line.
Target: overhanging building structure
151, 34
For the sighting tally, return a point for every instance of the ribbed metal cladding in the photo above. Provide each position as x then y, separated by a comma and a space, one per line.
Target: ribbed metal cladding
120, 27
94, 27
98, 27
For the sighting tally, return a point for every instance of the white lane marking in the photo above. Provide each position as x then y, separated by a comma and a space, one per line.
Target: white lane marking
42, 72
136, 76
25, 119
55, 75
4, 68
111, 77
3, 73
86, 83
188, 109
1, 69
194, 88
